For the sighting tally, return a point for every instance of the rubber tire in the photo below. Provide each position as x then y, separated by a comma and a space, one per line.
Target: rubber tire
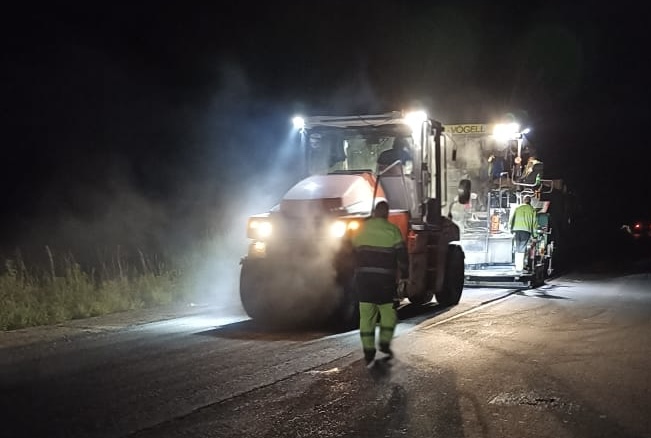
538, 276
253, 301
422, 298
263, 299
450, 294
346, 316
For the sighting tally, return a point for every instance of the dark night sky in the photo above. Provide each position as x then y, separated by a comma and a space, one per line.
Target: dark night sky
142, 103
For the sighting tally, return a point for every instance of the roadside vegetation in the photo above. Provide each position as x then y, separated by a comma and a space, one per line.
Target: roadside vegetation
63, 289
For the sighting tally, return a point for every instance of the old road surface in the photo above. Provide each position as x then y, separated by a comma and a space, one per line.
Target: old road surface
570, 359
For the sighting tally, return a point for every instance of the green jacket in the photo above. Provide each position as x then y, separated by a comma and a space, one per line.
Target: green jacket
379, 252
380, 247
524, 219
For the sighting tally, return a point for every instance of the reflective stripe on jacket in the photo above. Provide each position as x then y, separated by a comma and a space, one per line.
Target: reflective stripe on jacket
524, 219
379, 245
380, 251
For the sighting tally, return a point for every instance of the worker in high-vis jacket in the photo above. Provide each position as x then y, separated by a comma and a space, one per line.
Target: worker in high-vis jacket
381, 259
523, 226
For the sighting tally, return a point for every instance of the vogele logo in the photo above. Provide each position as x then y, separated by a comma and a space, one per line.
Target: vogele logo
467, 129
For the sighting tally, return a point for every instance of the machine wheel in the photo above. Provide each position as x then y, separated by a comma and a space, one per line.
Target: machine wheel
454, 278
346, 316
252, 278
277, 297
421, 298
538, 275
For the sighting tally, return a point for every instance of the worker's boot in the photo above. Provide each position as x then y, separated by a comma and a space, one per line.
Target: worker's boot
519, 261
369, 356
388, 353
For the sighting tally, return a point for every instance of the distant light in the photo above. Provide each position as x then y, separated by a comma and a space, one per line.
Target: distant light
299, 122
504, 132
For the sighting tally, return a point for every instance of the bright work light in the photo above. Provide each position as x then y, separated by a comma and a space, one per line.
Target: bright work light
506, 131
259, 229
338, 228
299, 122
415, 120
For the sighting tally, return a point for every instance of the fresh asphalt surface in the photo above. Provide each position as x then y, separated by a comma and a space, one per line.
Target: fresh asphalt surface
568, 359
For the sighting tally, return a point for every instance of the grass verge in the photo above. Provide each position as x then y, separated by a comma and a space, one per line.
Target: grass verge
66, 290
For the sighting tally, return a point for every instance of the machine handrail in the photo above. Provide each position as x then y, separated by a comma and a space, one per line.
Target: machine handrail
541, 183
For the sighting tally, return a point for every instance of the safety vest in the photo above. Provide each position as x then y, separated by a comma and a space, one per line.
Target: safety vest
380, 248
524, 219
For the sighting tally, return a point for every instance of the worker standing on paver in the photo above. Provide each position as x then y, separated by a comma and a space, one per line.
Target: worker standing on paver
523, 225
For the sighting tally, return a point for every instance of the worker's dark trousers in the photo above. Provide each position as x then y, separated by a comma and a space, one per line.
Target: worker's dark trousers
368, 313
521, 240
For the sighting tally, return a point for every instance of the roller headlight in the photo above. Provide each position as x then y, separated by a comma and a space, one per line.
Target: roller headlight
260, 248
339, 228
259, 229
353, 225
